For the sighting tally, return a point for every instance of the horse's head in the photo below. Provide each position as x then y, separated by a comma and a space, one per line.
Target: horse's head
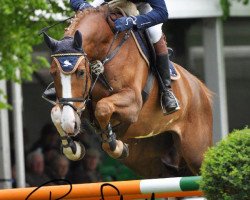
71, 75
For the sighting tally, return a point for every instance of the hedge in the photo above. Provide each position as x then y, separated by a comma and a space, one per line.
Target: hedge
226, 168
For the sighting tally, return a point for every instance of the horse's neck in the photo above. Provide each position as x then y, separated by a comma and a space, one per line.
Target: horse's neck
97, 36
127, 67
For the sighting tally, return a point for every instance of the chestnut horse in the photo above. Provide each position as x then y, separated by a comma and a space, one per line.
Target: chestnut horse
159, 145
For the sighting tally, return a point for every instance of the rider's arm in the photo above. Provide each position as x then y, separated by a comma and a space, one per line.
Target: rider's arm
75, 4
158, 15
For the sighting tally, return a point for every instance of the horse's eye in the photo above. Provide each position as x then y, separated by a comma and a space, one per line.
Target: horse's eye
80, 73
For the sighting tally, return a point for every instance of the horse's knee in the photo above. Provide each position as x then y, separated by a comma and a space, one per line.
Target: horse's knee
131, 114
103, 109
132, 118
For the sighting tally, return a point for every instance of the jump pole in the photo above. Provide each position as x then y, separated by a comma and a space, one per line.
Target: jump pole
164, 187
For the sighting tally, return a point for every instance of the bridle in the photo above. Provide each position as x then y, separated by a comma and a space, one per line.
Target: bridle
68, 101
96, 68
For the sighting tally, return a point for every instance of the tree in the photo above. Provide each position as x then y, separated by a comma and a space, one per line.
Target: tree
225, 5
20, 22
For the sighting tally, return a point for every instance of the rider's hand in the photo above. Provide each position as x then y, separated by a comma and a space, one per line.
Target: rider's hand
125, 23
79, 4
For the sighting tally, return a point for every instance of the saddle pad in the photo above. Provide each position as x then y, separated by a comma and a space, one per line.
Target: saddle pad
148, 55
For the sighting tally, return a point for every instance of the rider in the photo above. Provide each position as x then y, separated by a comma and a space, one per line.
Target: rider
153, 14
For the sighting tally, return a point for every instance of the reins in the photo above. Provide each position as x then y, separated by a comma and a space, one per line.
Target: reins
113, 53
51, 26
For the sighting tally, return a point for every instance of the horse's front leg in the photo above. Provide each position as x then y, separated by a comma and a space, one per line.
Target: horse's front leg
127, 105
71, 149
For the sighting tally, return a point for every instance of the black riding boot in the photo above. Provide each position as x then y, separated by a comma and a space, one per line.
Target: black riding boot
169, 102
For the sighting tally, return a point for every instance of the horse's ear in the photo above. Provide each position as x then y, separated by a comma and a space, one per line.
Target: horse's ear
51, 43
78, 41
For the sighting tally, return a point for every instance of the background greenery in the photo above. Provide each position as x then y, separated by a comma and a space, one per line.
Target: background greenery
226, 168
20, 22
225, 5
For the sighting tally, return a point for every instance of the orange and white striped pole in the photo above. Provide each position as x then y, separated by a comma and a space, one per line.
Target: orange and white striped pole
164, 187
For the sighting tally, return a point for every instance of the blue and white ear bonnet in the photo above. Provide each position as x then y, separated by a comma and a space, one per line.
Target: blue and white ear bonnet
68, 62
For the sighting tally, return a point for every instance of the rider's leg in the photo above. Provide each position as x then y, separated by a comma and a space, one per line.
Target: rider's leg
168, 100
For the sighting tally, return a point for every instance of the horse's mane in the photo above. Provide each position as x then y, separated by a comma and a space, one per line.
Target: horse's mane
70, 30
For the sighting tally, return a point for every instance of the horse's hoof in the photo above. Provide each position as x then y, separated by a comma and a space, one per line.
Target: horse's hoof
125, 151
78, 155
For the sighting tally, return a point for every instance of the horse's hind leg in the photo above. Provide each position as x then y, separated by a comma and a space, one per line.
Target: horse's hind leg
193, 143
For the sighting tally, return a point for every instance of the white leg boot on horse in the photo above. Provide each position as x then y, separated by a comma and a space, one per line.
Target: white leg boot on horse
71, 149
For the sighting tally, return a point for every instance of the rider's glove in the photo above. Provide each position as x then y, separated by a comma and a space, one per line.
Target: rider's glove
79, 5
125, 23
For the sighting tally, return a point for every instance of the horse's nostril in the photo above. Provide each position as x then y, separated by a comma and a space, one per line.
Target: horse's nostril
75, 126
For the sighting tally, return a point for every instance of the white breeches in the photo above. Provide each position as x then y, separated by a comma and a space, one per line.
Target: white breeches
155, 32
96, 3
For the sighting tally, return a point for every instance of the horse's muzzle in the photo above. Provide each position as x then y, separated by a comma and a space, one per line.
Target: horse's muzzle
70, 121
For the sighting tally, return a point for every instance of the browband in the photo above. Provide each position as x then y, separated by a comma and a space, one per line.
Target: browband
68, 54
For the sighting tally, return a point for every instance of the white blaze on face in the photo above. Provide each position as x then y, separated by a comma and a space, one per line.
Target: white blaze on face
68, 116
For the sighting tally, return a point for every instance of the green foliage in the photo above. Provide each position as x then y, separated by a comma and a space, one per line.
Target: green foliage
226, 168
3, 102
112, 169
225, 5
20, 23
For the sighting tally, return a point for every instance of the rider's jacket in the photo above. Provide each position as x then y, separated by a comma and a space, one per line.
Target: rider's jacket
159, 13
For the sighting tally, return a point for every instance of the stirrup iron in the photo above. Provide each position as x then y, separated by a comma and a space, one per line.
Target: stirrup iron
164, 110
